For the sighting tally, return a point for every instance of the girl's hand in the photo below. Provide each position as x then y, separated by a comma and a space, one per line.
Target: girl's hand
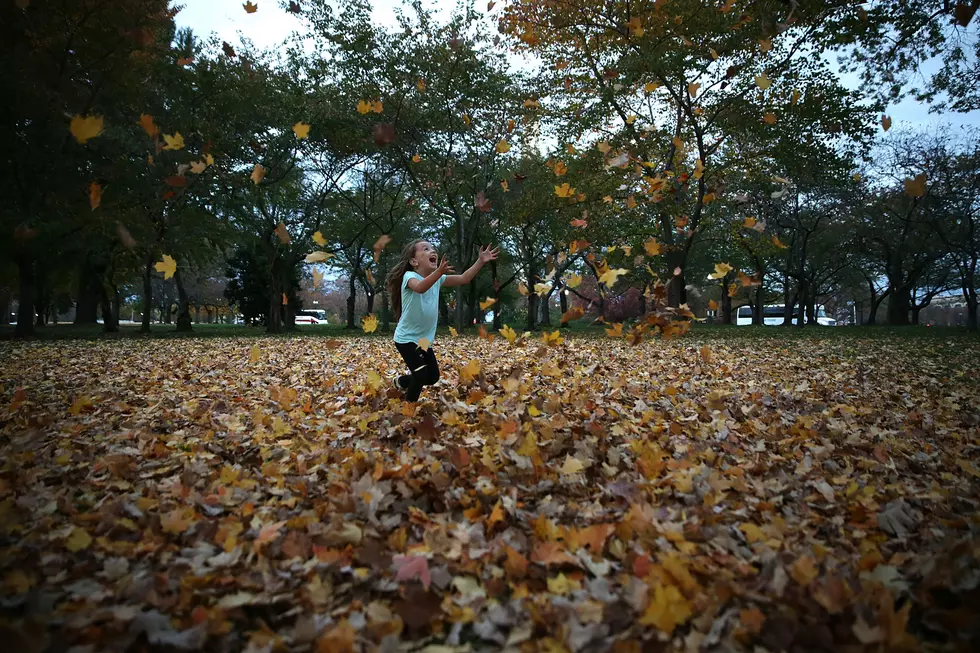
445, 267
487, 254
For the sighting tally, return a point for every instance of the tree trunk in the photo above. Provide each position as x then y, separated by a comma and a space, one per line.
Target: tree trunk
676, 290
25, 307
971, 311
443, 311
726, 302
799, 316
110, 322
183, 304
544, 306
351, 301
532, 311
758, 307
787, 302
273, 322
40, 300
899, 304
87, 306
370, 301
563, 303
5, 305
385, 311
147, 294
916, 309
811, 311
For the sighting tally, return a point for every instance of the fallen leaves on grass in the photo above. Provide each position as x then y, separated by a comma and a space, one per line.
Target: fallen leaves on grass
571, 491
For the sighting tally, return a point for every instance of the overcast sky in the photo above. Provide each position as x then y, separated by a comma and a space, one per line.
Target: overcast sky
271, 25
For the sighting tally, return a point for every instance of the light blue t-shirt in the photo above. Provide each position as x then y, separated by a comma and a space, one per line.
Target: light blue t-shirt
420, 312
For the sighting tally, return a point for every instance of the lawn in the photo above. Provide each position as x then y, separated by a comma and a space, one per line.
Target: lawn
742, 488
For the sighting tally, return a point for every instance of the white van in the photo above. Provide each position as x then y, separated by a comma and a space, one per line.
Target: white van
313, 316
772, 315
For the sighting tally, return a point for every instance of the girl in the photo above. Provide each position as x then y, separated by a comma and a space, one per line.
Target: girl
413, 286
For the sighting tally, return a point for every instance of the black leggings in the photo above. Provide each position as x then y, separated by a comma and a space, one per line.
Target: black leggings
422, 369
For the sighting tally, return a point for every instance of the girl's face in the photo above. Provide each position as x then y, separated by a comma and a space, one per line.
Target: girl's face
426, 259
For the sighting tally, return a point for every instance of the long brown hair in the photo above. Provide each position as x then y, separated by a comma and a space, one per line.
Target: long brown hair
397, 273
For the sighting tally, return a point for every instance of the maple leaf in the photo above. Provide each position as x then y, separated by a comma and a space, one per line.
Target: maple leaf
175, 142
168, 266
609, 277
571, 466
85, 128
564, 190
692, 89
250, 8
369, 323
302, 130
616, 331
652, 247
504, 185
424, 343
502, 146
487, 303
762, 81
804, 571
228, 50
319, 239
552, 553
294, 7
916, 187
258, 174
94, 195
268, 533
482, 203
572, 314
78, 539
721, 269
508, 333
283, 234
198, 167
560, 168
778, 243
146, 122
470, 371
769, 118
579, 223
667, 609
318, 257
411, 568
379, 246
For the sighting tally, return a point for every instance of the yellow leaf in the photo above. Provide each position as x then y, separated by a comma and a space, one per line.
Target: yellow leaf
804, 570
369, 323
283, 234
502, 146
571, 466
318, 257
467, 120
94, 195
531, 104
692, 89
542, 289
250, 8
487, 303
424, 343
609, 277
603, 147
616, 331
208, 159
508, 333
453, 332
714, 53
916, 187
258, 174
146, 122
78, 540
505, 185
254, 354
377, 106
795, 97
175, 142
721, 269
712, 305
650, 87
635, 26
778, 243
565, 190
752, 533
522, 288
560, 169
420, 85
302, 130
750, 223
762, 81
168, 266
198, 167
698, 169
573, 280
363, 107
470, 371
319, 239
80, 404
416, 158
652, 247
84, 128
667, 609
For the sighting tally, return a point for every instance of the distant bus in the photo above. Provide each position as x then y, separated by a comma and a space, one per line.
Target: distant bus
312, 316
773, 315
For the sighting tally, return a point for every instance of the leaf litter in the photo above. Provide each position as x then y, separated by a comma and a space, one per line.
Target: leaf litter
587, 495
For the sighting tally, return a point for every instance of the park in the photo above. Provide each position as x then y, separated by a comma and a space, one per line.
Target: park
530, 325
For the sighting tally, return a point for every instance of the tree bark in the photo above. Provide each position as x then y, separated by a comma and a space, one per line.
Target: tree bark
726, 301
183, 304
5, 305
758, 307
544, 306
110, 322
899, 304
563, 303
676, 290
351, 301
273, 322
798, 316
87, 305
147, 294
25, 307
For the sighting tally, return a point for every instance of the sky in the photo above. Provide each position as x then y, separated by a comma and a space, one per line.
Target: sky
271, 25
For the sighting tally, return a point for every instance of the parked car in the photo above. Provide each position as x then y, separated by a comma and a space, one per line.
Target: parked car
773, 315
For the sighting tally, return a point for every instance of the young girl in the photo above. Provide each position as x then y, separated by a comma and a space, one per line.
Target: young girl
413, 286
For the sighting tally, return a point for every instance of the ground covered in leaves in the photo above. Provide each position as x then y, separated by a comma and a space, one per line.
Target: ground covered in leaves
584, 495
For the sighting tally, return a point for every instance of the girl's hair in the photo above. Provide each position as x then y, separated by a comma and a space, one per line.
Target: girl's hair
397, 273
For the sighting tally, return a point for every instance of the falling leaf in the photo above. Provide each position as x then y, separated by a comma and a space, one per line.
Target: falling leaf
168, 266
470, 371
762, 81
769, 118
573, 280
94, 195
175, 142
531, 104
579, 223
85, 128
916, 187
146, 122
416, 158
283, 234
369, 323
692, 89
482, 202
302, 130
318, 257
560, 168
198, 167
565, 190
721, 269
750, 223
886, 123
184, 61
487, 303
250, 8
254, 354
379, 246
453, 332
508, 333
502, 146
125, 237
258, 174
795, 98
384, 133
765, 45
319, 239
424, 343
572, 314
713, 52
616, 331
778, 243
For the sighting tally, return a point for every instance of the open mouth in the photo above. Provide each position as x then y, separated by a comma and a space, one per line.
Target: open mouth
433, 259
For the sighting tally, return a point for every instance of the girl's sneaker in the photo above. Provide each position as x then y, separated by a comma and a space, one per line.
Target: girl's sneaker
397, 383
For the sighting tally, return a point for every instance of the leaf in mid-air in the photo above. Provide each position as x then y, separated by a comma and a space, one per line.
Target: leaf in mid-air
283, 234
609, 277
250, 7
916, 187
369, 323
302, 130
168, 266
85, 128
487, 303
175, 142
564, 190
721, 269
502, 146
94, 195
258, 174
319, 239
146, 122
318, 257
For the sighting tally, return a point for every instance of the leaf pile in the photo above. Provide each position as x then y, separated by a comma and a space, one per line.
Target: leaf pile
577, 495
